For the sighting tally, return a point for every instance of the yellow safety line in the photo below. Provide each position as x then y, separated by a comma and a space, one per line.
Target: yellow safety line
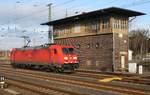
110, 79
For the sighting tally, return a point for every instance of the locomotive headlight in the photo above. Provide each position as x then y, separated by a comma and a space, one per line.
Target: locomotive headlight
75, 58
65, 58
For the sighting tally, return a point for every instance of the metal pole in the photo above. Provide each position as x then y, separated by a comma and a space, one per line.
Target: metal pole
49, 5
26, 38
66, 13
50, 32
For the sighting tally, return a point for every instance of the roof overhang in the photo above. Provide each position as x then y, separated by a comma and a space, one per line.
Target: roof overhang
106, 11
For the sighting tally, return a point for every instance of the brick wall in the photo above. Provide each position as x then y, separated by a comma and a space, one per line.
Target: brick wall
120, 49
95, 51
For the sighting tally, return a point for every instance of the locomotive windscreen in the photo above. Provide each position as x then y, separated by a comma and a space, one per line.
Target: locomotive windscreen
68, 50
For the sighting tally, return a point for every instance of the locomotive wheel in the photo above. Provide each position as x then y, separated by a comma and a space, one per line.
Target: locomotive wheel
56, 70
13, 65
23, 66
60, 70
28, 66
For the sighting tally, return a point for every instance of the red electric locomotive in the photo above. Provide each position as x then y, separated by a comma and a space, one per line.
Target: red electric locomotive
49, 57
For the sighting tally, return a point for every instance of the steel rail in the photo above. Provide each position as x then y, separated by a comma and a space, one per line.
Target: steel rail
92, 85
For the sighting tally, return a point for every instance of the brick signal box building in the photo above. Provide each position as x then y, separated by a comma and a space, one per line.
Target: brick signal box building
100, 37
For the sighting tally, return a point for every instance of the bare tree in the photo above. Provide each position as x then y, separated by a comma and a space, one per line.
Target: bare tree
139, 41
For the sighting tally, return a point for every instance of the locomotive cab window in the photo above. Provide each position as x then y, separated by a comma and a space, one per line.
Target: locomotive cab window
55, 51
68, 50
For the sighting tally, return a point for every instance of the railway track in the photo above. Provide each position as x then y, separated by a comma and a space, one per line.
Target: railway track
132, 78
36, 88
106, 73
32, 87
54, 83
79, 82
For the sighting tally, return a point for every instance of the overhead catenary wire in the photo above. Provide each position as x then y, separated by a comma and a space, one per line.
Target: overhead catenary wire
43, 10
136, 3
37, 12
29, 16
69, 1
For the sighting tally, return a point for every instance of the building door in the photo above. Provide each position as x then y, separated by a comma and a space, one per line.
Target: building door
122, 62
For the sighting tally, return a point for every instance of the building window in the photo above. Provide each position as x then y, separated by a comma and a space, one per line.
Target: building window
105, 24
77, 28
78, 46
55, 51
125, 24
97, 45
62, 30
115, 24
88, 45
120, 23
56, 32
92, 26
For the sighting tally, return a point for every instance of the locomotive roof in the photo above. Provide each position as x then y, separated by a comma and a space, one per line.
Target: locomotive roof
35, 47
106, 11
28, 48
42, 46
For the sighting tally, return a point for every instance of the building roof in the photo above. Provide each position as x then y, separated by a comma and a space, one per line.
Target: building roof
106, 11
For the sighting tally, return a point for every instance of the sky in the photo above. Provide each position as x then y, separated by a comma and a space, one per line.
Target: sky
20, 18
